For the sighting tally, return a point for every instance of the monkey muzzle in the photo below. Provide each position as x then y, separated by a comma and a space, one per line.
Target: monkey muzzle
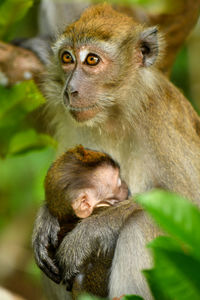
77, 107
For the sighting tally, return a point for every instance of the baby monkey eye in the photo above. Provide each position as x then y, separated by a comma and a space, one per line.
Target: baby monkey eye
92, 59
66, 58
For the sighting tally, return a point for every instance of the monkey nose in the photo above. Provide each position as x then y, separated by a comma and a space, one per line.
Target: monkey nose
72, 90
66, 98
74, 93
69, 94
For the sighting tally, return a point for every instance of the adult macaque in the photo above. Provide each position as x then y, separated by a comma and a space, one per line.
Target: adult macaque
79, 183
103, 76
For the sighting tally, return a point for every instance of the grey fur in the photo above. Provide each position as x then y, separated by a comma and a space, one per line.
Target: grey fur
96, 233
136, 230
48, 227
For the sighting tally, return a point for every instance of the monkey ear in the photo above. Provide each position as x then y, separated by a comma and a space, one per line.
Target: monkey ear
82, 206
149, 46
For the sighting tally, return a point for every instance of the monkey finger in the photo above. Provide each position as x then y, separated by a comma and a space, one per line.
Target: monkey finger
68, 277
48, 270
46, 264
68, 274
55, 277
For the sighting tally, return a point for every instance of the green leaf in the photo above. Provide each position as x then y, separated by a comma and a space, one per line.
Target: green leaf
15, 104
175, 215
11, 11
175, 275
155, 288
132, 297
91, 297
167, 243
24, 96
29, 140
21, 183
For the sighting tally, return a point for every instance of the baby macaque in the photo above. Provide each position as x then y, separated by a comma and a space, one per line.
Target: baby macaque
80, 183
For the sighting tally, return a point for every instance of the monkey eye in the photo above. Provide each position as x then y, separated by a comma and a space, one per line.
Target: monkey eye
92, 59
66, 58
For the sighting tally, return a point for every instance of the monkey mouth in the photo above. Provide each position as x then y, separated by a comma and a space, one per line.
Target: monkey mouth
82, 114
80, 109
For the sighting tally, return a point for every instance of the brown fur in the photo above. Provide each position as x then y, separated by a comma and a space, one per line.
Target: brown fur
70, 173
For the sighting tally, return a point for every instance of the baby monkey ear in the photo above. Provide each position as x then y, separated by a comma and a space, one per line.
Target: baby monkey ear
82, 206
149, 46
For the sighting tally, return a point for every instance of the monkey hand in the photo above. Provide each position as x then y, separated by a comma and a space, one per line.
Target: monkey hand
78, 246
44, 238
93, 235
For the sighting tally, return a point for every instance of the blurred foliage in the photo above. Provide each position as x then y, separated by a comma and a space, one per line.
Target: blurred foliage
11, 11
180, 74
17, 102
25, 156
175, 274
126, 297
15, 134
21, 183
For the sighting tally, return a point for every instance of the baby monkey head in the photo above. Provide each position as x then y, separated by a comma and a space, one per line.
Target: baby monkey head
97, 59
81, 180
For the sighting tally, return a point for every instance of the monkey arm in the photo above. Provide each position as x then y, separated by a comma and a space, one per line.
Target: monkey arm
95, 234
45, 236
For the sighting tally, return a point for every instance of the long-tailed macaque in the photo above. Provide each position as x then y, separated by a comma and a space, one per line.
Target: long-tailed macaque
105, 91
81, 182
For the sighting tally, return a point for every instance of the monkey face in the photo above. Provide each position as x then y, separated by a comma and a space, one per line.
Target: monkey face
87, 70
107, 189
92, 69
111, 188
98, 59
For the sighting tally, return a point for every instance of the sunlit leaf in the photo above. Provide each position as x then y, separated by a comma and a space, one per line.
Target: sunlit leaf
175, 274
21, 183
175, 215
15, 104
132, 297
29, 140
24, 96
